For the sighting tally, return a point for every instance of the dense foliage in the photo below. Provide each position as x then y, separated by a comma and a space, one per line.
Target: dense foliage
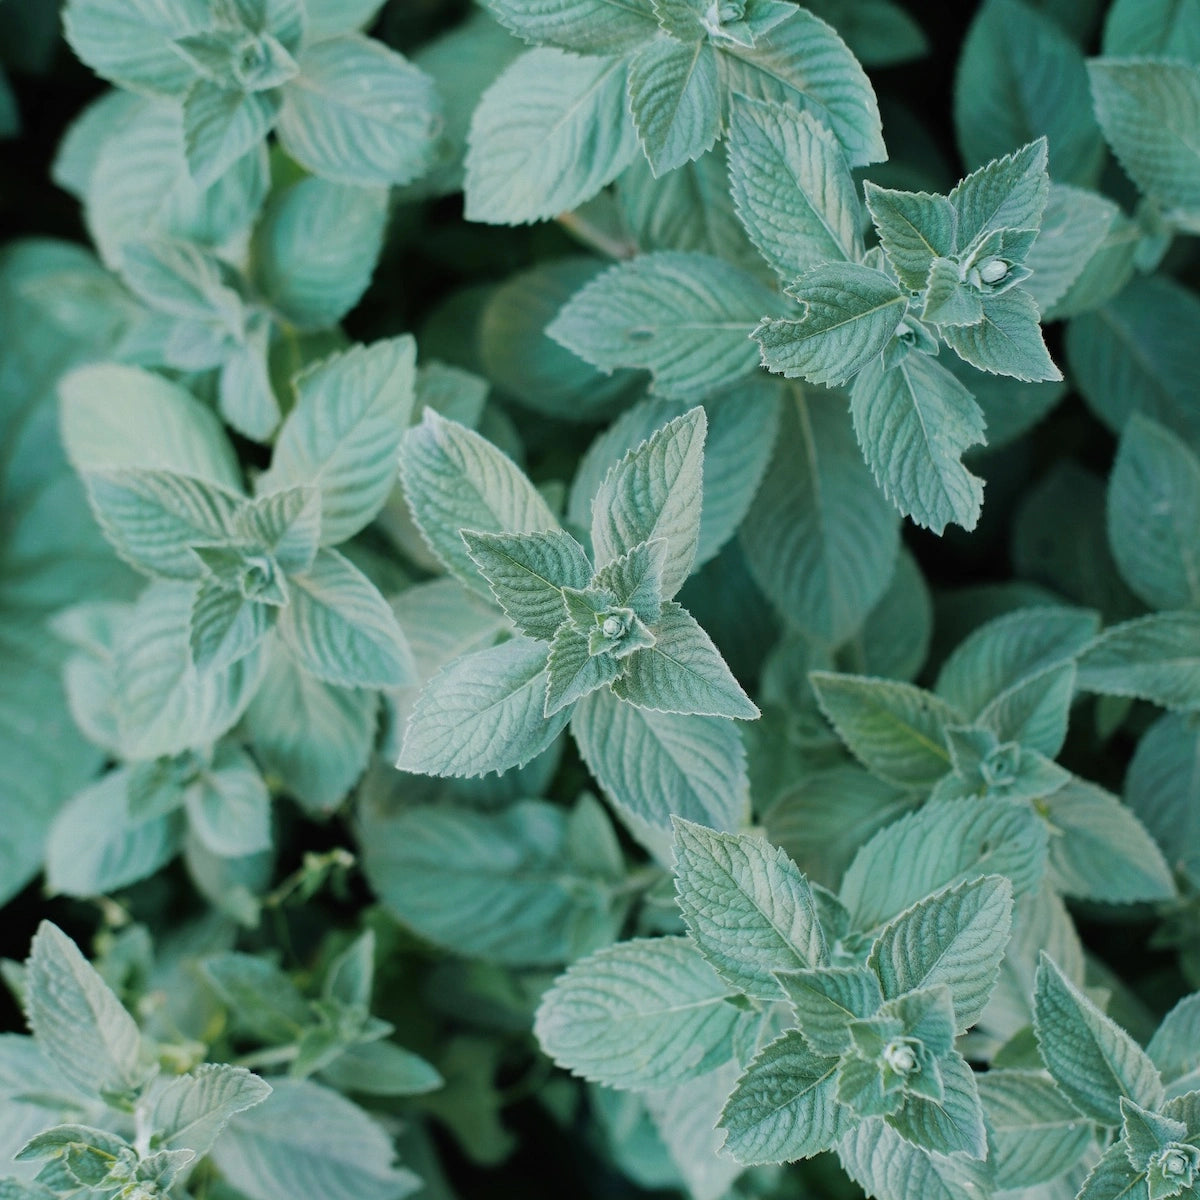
600, 597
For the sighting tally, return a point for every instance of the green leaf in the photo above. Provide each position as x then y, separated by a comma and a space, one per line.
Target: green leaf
915, 229
653, 493
1008, 650
819, 539
304, 1136
527, 573
315, 737
826, 1000
1008, 341
1074, 225
381, 1069
1163, 788
644, 1013
340, 629
914, 423
1153, 28
943, 844
784, 1106
952, 1125
129, 44
1155, 658
308, 289
686, 318
191, 1112
229, 807
505, 887
455, 479
1092, 1059
792, 187
115, 417
1099, 850
225, 626
956, 937
262, 1000
635, 579
683, 672
1148, 110
378, 132
675, 99
547, 135
850, 313
589, 26
1173, 1046
1008, 193
656, 765
573, 671
78, 1023
1113, 1178
1034, 712
747, 908
1021, 76
221, 125
182, 280
343, 433
1154, 515
803, 64
484, 712
1036, 1133
1135, 355
892, 728
875, 1156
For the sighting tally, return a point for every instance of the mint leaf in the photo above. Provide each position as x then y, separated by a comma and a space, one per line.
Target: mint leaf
1074, 224
484, 712
573, 671
1008, 341
1034, 712
892, 728
1173, 1046
1159, 28
1007, 194
377, 133
683, 672
915, 229
222, 125
819, 539
455, 479
229, 806
1163, 789
827, 999
953, 1124
914, 423
224, 626
1153, 658
747, 908
340, 629
686, 318
675, 98
653, 766
589, 26
956, 937
784, 1106
192, 1110
1154, 515
1092, 1059
850, 312
889, 1168
792, 187
547, 135
641, 1014
77, 1021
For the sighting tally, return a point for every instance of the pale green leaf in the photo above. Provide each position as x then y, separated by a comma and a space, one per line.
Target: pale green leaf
675, 99
343, 434
1008, 341
850, 313
683, 672
225, 626
193, 1109
1173, 1048
503, 887
784, 1106
482, 713
956, 937
1034, 712
358, 113
547, 135
1155, 28
792, 187
894, 729
686, 318
803, 64
915, 230
229, 807
77, 1021
455, 479
573, 672
307, 1140
746, 906
589, 26
914, 423
819, 539
1154, 515
949, 1126
381, 1069
942, 845
1113, 1178
220, 125
1163, 788
315, 248
1075, 223
655, 765
826, 1000
1155, 658
641, 1014
1092, 1059
1008, 193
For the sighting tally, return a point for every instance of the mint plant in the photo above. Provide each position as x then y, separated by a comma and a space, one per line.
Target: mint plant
511, 685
